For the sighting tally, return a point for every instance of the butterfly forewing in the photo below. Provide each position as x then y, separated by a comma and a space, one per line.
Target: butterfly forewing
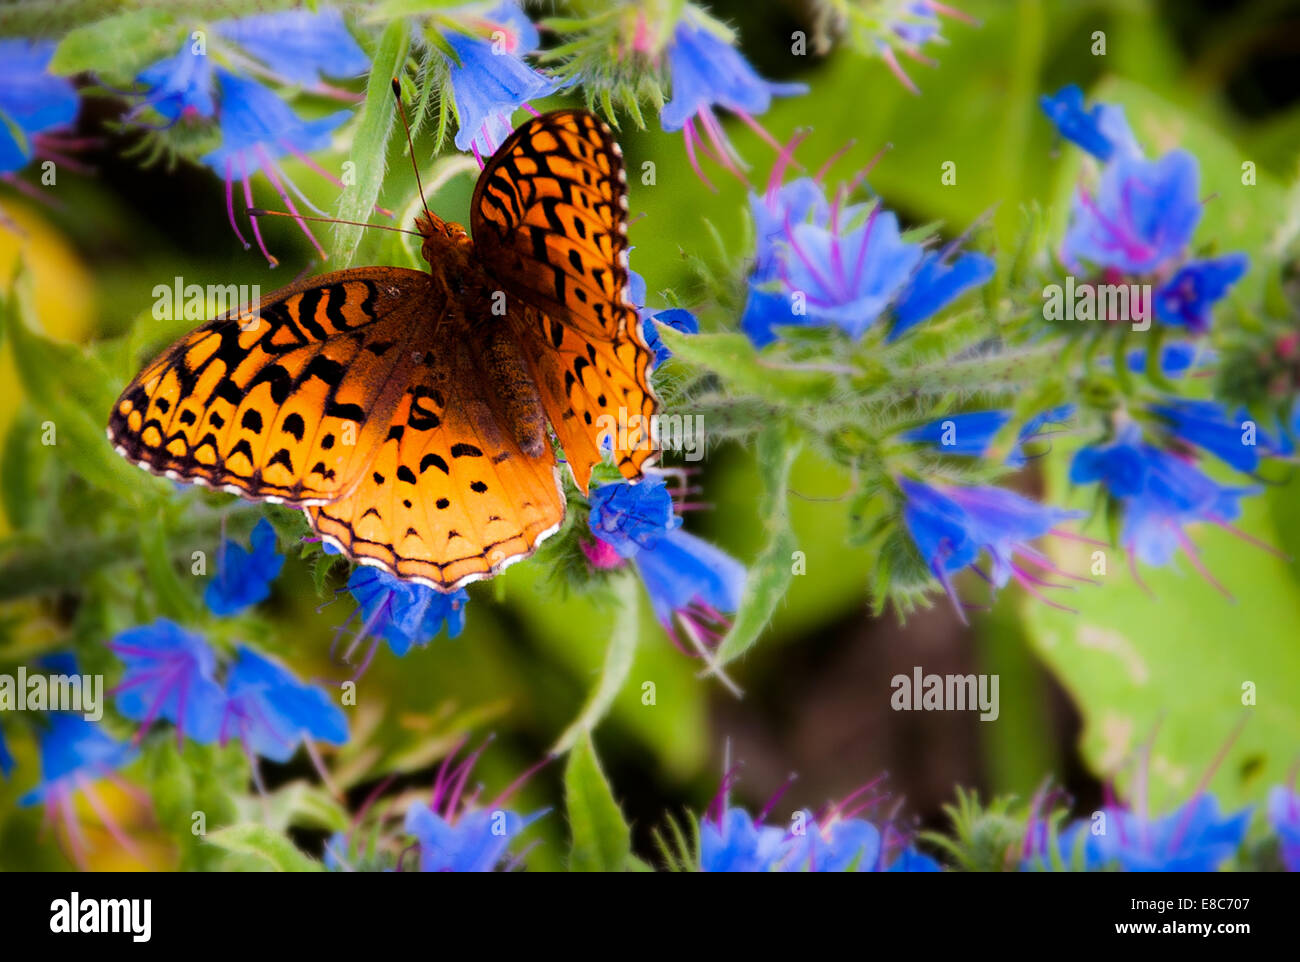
289, 404
549, 219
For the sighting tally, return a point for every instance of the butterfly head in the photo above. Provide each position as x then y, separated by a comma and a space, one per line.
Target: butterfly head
445, 242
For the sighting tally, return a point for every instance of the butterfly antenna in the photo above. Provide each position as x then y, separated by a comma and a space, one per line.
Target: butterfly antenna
410, 144
259, 212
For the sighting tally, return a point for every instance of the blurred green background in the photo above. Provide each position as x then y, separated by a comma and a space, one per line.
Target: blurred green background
1078, 693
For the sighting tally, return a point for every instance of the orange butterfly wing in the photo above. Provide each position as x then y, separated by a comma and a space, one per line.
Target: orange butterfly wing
451, 496
359, 396
287, 405
549, 219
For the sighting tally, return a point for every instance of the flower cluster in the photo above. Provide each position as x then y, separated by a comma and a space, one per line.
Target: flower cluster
171, 674
34, 106
224, 84
822, 262
455, 831
1136, 226
692, 585
1194, 838
888, 28
731, 840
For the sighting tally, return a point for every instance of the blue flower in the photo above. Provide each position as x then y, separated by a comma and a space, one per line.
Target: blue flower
6, 760
404, 613
679, 319
456, 834
1284, 814
774, 212
271, 712
829, 276
1102, 131
1207, 425
916, 24
244, 576
74, 753
849, 279
1195, 838
1142, 216
841, 845
170, 673
709, 72
734, 843
706, 72
689, 581
257, 128
183, 85
32, 101
910, 860
298, 45
936, 284
488, 86
1187, 299
951, 526
972, 432
475, 842
1175, 359
629, 517
1159, 492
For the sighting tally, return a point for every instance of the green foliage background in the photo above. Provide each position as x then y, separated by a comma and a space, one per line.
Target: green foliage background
95, 545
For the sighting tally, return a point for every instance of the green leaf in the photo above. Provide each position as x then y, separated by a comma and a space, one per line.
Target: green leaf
770, 574
175, 599
370, 146
117, 46
265, 846
618, 664
1176, 662
71, 390
602, 842
734, 359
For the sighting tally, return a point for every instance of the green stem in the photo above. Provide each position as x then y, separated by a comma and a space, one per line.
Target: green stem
1006, 370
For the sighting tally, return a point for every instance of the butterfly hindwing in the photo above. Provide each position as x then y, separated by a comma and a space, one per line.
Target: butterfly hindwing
451, 496
288, 405
549, 219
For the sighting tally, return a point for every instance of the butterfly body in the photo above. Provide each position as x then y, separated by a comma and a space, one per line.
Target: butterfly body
406, 411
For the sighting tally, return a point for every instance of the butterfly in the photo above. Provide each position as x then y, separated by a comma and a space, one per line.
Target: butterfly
406, 411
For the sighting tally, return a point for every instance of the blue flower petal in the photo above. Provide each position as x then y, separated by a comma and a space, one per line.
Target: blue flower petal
299, 45
271, 712
244, 576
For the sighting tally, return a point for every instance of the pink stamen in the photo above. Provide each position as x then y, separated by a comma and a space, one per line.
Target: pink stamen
230, 207
311, 164
1026, 582
519, 782
891, 61
953, 12
252, 219
726, 155
71, 827
784, 159
862, 251
759, 129
1194, 557
689, 137
944, 580
110, 823
824, 169
793, 241
268, 166
1252, 540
